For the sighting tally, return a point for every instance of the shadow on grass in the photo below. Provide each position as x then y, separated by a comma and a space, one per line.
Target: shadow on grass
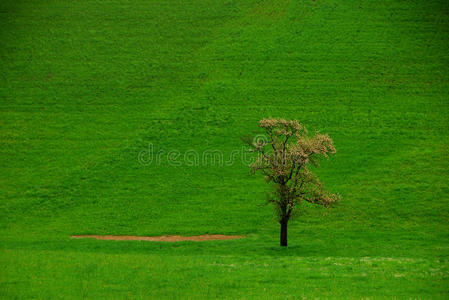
234, 247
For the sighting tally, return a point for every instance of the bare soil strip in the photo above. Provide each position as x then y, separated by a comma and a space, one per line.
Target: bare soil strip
163, 238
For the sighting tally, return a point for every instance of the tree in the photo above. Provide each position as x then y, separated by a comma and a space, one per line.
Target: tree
283, 156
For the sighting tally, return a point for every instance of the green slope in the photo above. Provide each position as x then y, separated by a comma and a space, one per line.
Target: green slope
87, 85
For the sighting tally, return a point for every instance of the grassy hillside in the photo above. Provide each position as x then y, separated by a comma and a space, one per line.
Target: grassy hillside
85, 86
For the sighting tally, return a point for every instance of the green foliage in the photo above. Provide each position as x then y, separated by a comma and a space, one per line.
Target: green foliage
86, 85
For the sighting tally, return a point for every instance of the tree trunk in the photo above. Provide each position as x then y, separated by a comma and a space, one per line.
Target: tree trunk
284, 232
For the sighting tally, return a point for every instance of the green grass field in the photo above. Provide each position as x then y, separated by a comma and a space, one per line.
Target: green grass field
85, 86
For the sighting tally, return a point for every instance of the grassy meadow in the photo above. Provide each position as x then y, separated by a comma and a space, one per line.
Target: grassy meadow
85, 86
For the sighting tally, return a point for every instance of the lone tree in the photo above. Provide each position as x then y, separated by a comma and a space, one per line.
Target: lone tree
283, 156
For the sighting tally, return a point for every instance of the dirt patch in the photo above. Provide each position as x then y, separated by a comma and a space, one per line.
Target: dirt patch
162, 238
